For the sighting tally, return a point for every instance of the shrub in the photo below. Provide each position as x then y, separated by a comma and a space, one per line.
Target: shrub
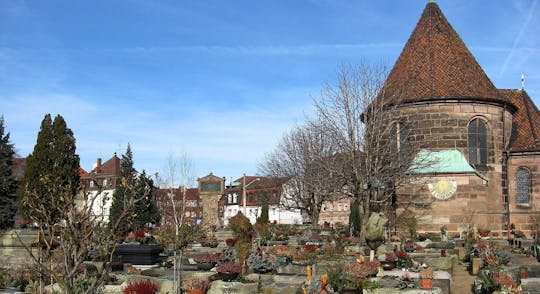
207, 257
229, 267
195, 283
141, 287
263, 261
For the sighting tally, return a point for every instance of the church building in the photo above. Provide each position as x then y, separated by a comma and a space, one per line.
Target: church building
486, 139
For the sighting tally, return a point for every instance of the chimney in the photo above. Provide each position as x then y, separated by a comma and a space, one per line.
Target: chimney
98, 164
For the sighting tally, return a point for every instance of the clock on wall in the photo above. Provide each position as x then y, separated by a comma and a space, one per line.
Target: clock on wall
443, 189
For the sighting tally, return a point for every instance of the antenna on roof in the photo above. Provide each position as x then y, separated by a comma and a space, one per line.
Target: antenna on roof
522, 81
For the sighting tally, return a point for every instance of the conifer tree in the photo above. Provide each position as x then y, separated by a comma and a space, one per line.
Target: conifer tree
8, 184
123, 193
51, 175
145, 209
136, 188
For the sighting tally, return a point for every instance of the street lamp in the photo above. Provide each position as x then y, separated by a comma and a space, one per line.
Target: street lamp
244, 186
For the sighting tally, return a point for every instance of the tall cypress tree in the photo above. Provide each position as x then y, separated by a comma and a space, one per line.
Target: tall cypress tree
51, 175
8, 184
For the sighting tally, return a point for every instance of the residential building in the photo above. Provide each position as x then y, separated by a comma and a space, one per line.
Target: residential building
169, 200
247, 195
99, 184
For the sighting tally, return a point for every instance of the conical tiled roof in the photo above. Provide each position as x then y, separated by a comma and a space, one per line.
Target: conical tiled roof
436, 64
525, 124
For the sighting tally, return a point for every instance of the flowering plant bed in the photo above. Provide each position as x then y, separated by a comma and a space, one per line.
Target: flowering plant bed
207, 257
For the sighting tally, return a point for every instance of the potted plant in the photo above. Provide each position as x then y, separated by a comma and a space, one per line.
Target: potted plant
228, 271
426, 278
206, 261
195, 285
403, 260
389, 263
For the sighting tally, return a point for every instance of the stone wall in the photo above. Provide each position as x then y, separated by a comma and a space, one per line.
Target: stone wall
12, 250
478, 198
525, 217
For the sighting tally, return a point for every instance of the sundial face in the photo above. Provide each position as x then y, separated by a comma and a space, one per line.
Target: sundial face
443, 189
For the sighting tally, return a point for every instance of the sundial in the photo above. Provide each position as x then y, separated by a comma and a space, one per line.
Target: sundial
442, 189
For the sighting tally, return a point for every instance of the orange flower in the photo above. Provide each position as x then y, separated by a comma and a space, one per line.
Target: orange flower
360, 259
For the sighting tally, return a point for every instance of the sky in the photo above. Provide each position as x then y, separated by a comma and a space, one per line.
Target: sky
219, 81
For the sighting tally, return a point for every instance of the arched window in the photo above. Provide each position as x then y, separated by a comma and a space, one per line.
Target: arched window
399, 135
523, 186
477, 139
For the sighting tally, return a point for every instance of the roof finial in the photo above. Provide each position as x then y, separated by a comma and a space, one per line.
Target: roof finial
522, 81
431, 1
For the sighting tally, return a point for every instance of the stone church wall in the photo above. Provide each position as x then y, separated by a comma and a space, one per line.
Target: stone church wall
478, 199
525, 217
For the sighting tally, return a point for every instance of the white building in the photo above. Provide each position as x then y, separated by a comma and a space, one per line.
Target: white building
247, 195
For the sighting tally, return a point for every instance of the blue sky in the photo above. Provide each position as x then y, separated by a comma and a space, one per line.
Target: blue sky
218, 80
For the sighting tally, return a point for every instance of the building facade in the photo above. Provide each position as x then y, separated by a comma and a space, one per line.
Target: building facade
99, 184
247, 195
485, 139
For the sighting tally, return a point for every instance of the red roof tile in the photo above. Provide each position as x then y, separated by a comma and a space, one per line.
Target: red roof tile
436, 64
526, 123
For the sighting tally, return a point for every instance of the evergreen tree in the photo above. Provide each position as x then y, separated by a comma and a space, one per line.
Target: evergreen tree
123, 193
133, 188
8, 184
264, 217
145, 209
354, 219
51, 175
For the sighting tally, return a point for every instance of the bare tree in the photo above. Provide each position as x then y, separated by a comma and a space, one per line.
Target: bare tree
179, 172
302, 156
374, 143
80, 235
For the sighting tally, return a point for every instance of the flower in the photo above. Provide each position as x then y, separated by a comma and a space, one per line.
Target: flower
229, 267
403, 260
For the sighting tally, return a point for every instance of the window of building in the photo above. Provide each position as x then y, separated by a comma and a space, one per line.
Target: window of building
399, 134
523, 186
230, 199
235, 198
105, 182
477, 139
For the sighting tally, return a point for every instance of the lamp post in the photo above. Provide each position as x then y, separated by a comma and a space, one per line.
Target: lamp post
244, 186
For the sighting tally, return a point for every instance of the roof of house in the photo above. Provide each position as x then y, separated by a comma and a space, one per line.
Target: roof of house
525, 124
109, 167
257, 183
82, 172
436, 64
191, 193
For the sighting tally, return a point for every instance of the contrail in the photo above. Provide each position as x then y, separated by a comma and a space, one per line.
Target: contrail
518, 38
